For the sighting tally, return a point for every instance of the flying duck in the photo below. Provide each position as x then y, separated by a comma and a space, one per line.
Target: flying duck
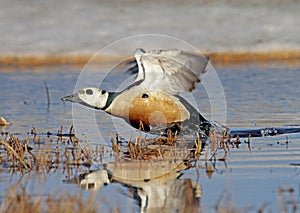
152, 103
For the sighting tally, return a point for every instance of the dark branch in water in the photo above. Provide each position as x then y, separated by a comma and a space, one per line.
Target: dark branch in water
47, 92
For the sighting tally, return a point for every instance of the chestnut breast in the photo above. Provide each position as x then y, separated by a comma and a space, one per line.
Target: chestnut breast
156, 108
151, 108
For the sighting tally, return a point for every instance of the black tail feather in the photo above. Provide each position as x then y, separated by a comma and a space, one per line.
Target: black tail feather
261, 132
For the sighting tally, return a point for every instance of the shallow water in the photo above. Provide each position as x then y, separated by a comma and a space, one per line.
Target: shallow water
256, 96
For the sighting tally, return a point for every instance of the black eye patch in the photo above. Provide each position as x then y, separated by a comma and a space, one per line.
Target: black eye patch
103, 92
89, 92
145, 96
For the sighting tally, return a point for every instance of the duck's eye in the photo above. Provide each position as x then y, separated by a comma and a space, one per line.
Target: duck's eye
103, 92
145, 96
89, 92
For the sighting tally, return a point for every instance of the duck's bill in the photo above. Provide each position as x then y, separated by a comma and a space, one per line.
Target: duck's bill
72, 98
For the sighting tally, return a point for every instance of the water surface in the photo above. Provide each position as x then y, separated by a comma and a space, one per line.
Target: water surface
256, 96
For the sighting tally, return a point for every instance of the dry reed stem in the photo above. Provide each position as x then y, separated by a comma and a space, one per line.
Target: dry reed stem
237, 141
222, 140
228, 138
213, 137
198, 145
249, 146
115, 144
23, 202
14, 153
27, 154
33, 130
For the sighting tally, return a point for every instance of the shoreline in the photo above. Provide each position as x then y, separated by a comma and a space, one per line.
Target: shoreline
228, 58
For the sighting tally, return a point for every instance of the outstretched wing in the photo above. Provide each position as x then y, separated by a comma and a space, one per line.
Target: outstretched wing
172, 71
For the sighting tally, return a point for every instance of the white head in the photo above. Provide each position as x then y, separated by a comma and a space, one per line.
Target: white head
91, 97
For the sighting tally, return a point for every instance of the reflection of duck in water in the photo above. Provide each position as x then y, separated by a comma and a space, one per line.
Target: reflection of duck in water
152, 101
154, 185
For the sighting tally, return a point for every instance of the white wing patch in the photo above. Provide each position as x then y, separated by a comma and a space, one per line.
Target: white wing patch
172, 71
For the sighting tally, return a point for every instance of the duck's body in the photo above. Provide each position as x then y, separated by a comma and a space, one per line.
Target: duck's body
154, 111
149, 108
152, 102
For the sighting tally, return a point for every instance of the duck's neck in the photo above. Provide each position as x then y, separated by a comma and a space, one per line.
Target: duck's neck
111, 97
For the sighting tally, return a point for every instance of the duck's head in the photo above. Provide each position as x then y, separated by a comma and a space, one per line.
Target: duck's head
91, 97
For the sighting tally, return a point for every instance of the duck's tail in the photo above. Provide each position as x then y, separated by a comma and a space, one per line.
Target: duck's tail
222, 130
261, 132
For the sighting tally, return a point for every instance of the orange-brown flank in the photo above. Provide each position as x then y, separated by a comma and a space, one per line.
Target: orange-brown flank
156, 109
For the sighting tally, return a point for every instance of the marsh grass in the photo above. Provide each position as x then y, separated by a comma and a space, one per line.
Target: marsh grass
53, 150
18, 199
39, 152
178, 148
45, 153
203, 155
169, 147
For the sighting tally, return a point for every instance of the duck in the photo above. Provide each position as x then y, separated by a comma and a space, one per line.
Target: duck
153, 102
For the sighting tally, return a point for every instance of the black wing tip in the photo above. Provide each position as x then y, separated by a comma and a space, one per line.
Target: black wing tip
139, 52
208, 56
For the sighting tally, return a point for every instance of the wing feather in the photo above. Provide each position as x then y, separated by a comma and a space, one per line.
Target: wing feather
172, 71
